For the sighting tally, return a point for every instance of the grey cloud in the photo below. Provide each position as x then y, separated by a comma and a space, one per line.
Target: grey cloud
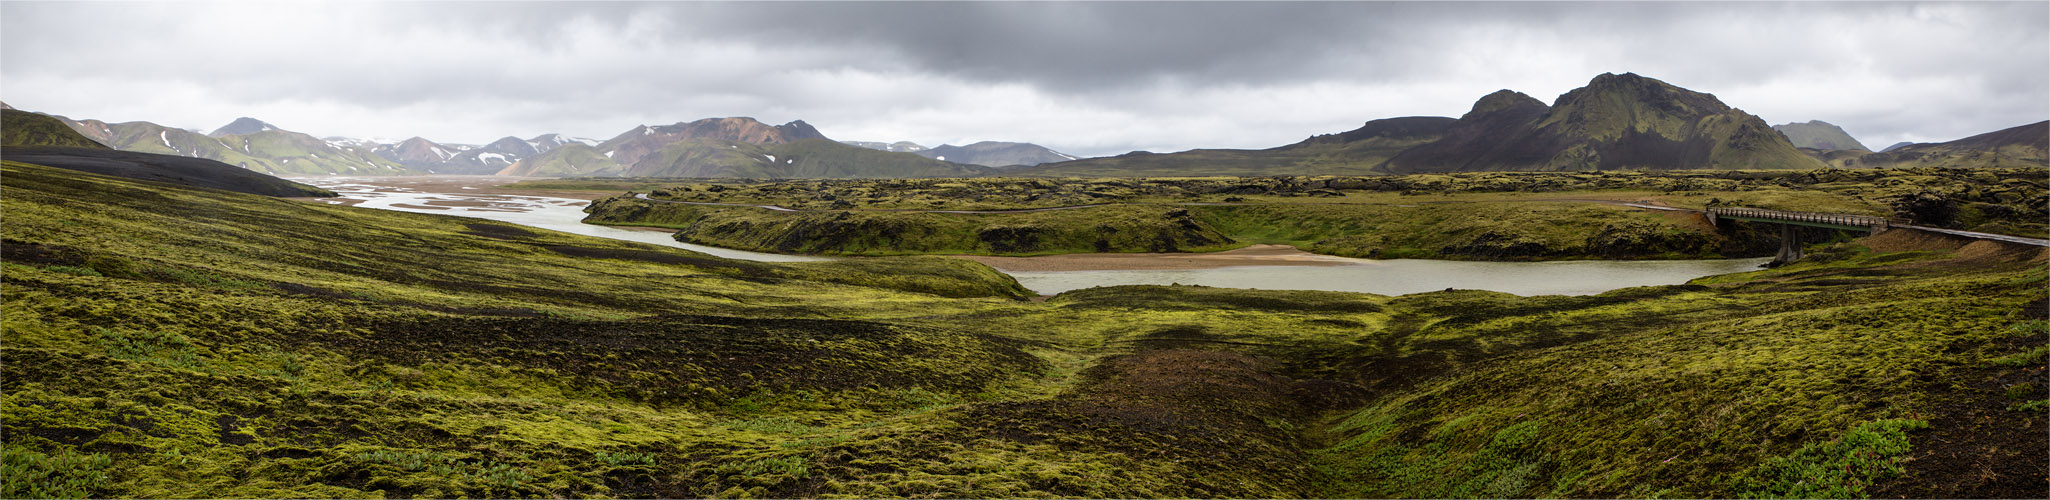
1089, 74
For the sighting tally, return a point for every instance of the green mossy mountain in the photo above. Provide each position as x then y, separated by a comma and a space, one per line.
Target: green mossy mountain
1616, 122
1819, 134
22, 128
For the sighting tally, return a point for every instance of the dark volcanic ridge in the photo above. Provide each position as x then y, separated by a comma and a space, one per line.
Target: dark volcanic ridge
180, 170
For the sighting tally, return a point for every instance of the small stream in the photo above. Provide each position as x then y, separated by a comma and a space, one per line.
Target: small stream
1385, 277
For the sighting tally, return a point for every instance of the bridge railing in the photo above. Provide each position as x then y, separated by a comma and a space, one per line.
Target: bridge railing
1876, 223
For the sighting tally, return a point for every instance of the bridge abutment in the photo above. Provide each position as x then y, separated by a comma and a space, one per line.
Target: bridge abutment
1790, 245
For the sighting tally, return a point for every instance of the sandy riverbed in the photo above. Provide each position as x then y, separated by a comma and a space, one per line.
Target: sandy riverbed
1256, 255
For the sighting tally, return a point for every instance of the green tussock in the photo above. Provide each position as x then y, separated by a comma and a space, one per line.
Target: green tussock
170, 342
1839, 468
1485, 216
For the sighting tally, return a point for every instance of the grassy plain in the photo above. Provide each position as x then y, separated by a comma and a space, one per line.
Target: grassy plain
171, 342
1493, 216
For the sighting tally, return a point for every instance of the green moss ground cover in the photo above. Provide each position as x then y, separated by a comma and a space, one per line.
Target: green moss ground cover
167, 342
1491, 216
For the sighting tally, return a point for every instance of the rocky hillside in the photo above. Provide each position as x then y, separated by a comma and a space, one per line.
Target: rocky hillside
1819, 134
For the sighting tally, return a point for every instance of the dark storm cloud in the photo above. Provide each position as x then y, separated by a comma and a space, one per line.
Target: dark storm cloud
1091, 78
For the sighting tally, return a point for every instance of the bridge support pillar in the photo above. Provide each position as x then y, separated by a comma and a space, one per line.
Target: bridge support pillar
1790, 245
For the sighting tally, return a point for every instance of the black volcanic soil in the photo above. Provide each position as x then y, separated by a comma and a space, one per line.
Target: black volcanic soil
180, 170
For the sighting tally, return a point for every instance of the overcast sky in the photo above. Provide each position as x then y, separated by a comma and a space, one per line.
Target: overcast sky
1083, 78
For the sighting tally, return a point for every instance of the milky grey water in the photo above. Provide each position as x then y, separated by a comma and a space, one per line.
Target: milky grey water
1404, 276
1386, 277
557, 214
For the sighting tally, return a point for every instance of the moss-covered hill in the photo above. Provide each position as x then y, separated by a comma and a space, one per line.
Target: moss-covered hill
21, 128
168, 342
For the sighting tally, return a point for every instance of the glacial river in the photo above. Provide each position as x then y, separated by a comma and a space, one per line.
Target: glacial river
1386, 277
557, 214
1404, 276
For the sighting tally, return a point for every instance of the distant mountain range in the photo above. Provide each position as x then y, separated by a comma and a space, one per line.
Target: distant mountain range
421, 154
1615, 122
985, 153
732, 147
718, 147
259, 147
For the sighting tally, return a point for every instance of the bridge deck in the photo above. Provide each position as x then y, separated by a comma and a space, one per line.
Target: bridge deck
1852, 222
1834, 221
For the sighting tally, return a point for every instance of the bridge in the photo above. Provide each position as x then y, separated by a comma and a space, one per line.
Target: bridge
1790, 241
1846, 222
